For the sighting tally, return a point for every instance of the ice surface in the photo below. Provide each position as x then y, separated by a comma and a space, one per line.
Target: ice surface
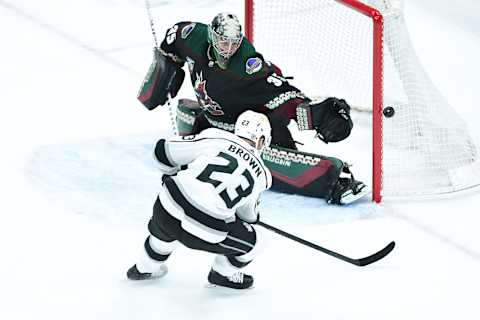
78, 183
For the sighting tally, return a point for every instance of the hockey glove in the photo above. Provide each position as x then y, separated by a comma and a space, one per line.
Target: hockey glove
330, 118
249, 213
250, 220
164, 78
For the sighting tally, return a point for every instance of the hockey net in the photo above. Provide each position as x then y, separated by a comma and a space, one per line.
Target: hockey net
361, 51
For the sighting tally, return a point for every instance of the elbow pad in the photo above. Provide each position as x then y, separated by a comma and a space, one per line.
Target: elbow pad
164, 163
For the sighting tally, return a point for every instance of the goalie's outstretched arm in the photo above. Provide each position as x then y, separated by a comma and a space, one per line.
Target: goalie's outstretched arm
330, 117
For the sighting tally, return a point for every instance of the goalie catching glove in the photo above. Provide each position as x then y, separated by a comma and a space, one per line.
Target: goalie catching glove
330, 118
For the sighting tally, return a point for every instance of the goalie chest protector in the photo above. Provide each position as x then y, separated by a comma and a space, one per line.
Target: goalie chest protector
249, 82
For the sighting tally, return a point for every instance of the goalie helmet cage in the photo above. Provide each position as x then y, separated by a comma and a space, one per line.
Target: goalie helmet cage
361, 51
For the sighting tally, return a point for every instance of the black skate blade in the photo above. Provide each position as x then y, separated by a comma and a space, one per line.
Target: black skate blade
218, 287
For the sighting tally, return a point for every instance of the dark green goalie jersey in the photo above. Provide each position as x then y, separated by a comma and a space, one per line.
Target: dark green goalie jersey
248, 82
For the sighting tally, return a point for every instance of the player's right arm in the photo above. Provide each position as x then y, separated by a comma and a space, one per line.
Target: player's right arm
177, 151
249, 211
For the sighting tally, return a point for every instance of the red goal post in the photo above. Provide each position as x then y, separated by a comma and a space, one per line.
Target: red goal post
360, 50
377, 21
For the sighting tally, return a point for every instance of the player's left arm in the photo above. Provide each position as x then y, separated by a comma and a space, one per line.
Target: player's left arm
330, 117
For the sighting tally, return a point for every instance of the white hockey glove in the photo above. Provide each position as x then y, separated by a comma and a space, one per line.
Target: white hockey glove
249, 213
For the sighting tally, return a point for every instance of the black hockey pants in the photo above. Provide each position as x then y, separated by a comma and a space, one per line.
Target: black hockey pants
240, 239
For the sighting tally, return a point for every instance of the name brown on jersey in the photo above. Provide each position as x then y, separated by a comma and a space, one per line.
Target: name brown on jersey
248, 157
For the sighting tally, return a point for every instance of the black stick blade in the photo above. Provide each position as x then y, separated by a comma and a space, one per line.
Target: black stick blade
376, 256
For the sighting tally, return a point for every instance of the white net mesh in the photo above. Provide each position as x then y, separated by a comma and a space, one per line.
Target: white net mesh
328, 48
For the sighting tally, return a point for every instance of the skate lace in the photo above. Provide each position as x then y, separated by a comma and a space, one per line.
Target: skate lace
236, 277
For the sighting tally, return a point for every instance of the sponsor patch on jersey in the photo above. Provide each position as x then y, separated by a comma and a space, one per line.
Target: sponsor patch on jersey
253, 65
190, 64
187, 30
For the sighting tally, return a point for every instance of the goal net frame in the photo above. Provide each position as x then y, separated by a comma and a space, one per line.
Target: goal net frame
377, 76
361, 50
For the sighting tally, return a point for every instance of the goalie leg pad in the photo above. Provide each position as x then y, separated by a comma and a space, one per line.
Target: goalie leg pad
302, 173
312, 175
293, 171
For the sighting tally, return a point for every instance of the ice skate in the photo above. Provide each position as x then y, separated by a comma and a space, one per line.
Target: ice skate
238, 280
134, 274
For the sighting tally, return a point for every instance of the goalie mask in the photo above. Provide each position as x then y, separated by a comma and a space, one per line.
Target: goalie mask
255, 127
225, 35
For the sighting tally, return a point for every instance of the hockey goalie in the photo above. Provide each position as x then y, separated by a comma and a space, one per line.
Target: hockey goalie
229, 76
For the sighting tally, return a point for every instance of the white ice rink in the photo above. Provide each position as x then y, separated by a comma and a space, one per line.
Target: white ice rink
78, 184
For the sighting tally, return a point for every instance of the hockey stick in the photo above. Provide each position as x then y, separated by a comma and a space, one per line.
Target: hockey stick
358, 262
152, 25
157, 47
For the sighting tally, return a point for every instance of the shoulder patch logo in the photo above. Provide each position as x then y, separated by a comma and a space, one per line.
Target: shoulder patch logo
253, 65
187, 30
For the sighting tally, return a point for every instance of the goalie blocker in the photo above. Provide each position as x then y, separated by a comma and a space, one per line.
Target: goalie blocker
293, 171
164, 79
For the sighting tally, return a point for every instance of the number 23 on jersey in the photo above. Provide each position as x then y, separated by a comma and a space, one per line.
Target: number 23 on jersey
231, 169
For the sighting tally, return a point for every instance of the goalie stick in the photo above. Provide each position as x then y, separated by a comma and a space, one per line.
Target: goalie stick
152, 25
358, 262
155, 40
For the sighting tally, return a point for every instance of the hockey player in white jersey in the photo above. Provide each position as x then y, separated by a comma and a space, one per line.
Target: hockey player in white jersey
211, 186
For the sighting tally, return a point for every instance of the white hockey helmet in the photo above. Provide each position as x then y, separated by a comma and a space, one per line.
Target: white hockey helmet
225, 35
255, 127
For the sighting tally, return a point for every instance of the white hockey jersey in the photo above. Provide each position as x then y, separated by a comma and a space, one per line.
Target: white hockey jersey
224, 175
